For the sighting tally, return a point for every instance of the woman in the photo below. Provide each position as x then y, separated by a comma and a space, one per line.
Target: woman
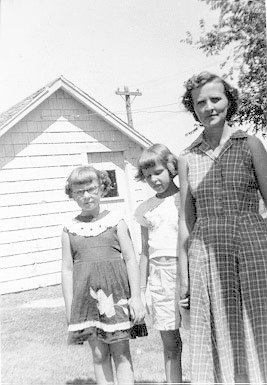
223, 239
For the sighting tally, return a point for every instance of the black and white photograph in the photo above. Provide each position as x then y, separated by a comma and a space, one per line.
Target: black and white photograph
133, 192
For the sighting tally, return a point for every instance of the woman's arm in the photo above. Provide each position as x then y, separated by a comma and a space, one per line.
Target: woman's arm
259, 158
67, 273
137, 308
187, 218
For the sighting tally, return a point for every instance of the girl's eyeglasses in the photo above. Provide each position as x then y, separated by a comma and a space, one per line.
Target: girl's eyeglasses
91, 191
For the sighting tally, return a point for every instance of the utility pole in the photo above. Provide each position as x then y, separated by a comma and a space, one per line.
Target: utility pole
128, 95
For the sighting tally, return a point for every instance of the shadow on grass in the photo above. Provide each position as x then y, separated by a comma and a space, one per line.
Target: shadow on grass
79, 381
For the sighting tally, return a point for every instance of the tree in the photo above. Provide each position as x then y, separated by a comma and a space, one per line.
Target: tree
242, 27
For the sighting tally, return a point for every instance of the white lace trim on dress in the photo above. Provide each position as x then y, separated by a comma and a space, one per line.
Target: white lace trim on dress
107, 328
92, 229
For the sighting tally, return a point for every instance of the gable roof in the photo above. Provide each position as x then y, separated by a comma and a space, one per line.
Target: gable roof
14, 114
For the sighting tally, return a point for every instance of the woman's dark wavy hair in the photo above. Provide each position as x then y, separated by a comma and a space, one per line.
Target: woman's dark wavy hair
199, 80
158, 153
87, 174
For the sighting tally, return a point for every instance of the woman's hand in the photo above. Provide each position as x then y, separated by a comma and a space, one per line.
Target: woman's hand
137, 309
185, 302
184, 296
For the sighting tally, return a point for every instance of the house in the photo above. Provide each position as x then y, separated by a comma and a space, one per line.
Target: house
42, 139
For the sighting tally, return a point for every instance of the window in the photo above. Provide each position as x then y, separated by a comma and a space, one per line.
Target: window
113, 164
113, 192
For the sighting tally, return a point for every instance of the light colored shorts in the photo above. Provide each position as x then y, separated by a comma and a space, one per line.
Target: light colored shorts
163, 287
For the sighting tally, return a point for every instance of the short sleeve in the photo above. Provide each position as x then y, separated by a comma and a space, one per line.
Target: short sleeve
139, 214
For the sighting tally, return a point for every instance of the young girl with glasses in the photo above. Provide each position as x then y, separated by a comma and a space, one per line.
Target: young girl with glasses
100, 279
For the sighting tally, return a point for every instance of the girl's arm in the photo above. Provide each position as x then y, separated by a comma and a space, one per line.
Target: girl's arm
259, 158
136, 305
144, 259
187, 218
67, 273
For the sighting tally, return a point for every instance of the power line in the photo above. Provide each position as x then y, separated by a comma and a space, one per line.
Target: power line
128, 95
162, 105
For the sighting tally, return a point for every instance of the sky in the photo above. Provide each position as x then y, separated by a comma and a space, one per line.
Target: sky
103, 45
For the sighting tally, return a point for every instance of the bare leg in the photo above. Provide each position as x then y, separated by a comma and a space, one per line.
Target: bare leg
121, 355
172, 345
102, 362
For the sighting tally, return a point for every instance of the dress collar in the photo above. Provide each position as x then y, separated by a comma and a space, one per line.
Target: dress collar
239, 134
91, 229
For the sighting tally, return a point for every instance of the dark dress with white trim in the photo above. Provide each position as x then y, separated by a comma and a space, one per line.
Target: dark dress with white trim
101, 292
227, 253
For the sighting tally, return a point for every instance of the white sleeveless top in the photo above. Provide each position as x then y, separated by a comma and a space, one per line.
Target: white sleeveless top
160, 216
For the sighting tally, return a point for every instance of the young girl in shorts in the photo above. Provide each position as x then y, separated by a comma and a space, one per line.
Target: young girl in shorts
158, 217
100, 279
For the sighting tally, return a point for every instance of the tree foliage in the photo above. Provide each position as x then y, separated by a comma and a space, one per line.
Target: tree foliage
242, 27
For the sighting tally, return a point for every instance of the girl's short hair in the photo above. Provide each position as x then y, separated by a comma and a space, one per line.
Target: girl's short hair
87, 174
158, 153
201, 79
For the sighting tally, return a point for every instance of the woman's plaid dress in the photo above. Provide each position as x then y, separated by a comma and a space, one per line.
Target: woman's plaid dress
227, 264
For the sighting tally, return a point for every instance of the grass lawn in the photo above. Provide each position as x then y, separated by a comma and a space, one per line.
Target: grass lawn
34, 349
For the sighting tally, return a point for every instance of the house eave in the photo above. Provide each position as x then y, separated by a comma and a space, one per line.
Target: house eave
84, 99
